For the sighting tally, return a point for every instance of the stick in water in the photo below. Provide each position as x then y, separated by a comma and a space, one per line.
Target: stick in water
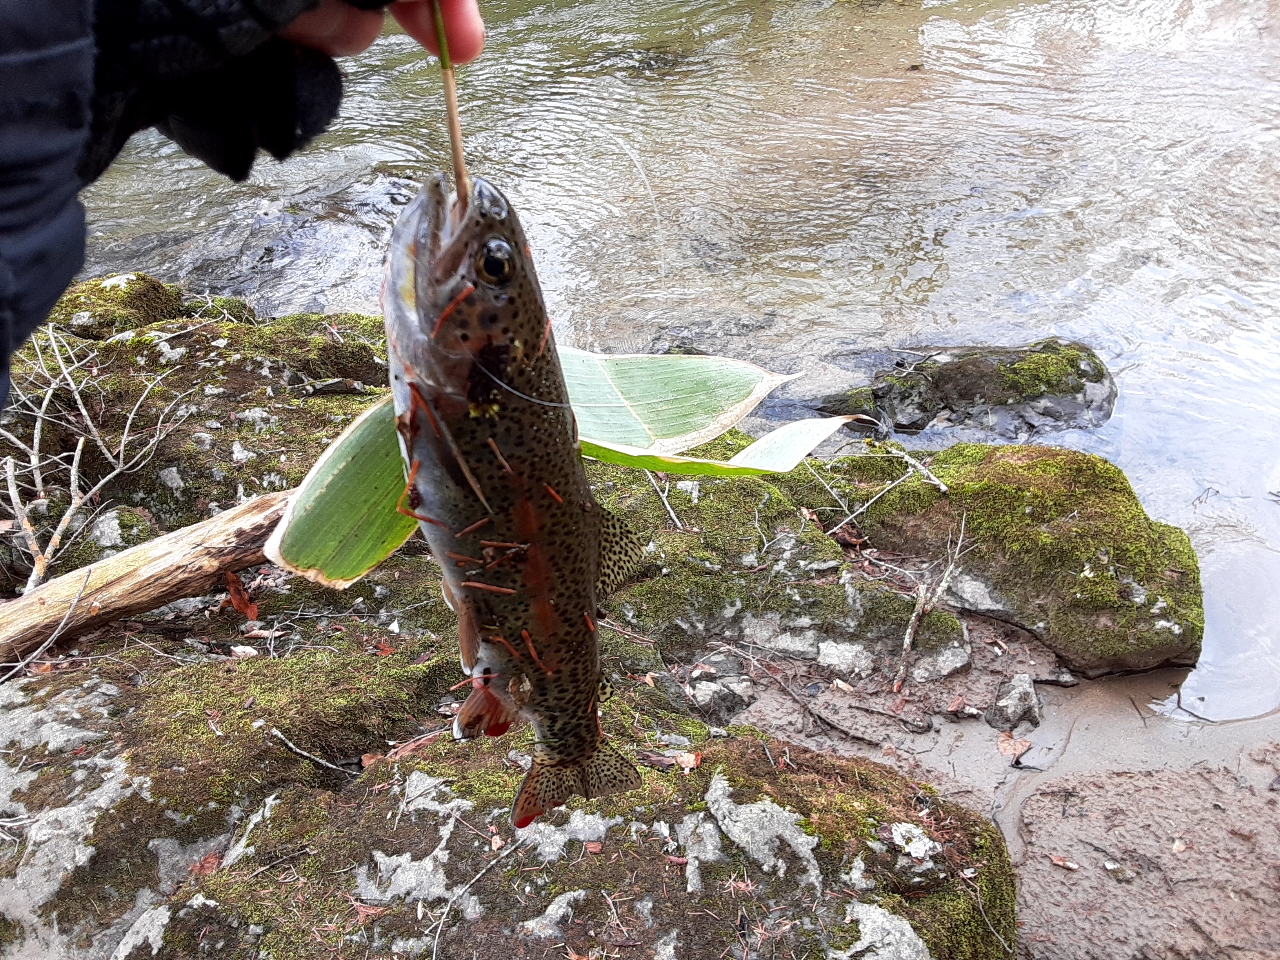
461, 181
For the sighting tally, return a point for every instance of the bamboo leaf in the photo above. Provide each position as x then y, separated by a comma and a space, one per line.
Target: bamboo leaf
342, 520
637, 411
661, 404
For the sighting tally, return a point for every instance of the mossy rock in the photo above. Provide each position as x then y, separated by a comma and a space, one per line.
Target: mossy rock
194, 823
99, 308
233, 427
219, 308
1011, 392
1061, 547
748, 567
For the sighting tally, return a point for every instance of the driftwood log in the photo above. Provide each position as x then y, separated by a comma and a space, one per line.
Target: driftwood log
185, 563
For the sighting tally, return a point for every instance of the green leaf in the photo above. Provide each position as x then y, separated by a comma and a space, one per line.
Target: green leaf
778, 452
661, 404
342, 521
638, 411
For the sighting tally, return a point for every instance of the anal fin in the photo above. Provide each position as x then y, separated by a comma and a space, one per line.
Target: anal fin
485, 711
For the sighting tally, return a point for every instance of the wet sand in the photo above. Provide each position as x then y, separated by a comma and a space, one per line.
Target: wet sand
1134, 835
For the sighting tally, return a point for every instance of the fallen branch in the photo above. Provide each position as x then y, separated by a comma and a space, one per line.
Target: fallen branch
185, 563
927, 598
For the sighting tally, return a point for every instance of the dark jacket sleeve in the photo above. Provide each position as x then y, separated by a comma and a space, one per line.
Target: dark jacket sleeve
79, 77
46, 81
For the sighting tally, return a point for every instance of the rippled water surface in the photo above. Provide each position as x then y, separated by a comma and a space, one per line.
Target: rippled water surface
797, 182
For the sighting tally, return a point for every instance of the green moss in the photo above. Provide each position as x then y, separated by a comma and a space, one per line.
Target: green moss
220, 308
204, 733
98, 308
1062, 536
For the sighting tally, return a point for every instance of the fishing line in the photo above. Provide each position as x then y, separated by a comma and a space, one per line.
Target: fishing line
546, 403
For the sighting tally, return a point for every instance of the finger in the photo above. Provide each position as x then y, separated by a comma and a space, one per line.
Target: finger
335, 28
463, 28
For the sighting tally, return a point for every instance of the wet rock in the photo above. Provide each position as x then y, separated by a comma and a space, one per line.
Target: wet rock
1059, 677
1016, 701
942, 663
1014, 393
716, 701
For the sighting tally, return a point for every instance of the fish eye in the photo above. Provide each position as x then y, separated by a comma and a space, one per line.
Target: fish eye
495, 263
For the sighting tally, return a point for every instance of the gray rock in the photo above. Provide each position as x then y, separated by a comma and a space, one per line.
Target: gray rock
1014, 393
849, 659
1016, 701
172, 479
943, 663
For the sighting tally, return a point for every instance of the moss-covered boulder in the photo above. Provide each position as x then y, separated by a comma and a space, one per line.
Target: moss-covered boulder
1010, 392
176, 804
231, 402
98, 308
1059, 544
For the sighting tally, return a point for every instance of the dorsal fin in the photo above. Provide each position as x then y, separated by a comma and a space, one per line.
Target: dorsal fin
621, 553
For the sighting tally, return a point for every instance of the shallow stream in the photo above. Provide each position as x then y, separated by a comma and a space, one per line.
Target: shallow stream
797, 182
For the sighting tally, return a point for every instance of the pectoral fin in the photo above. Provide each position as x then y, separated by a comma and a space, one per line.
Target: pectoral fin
621, 553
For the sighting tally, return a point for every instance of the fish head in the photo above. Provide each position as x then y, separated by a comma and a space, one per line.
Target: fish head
477, 292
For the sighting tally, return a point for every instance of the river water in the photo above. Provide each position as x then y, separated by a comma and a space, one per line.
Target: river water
798, 182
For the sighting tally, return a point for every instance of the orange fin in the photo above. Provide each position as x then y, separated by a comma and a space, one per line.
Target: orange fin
549, 784
485, 711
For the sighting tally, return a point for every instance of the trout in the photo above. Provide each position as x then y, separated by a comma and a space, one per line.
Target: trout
496, 482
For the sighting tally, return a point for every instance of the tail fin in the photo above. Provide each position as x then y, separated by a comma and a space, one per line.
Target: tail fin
485, 711
549, 784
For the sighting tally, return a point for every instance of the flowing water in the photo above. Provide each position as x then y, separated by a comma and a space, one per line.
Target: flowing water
797, 182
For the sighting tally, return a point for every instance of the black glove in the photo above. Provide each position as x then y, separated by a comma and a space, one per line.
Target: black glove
210, 75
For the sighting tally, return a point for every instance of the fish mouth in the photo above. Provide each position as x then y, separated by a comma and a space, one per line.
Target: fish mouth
443, 223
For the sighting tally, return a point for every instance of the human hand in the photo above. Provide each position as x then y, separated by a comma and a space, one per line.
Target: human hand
341, 30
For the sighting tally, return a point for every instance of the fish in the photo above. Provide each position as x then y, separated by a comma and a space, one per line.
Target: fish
495, 478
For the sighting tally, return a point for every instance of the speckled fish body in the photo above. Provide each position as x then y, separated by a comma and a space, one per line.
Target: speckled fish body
496, 481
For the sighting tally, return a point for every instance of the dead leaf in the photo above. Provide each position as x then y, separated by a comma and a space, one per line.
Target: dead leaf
647, 679
365, 912
244, 652
689, 761
659, 761
957, 704
1179, 845
496, 843
841, 685
409, 746
44, 666
206, 865
369, 759
383, 649
1010, 747
592, 846
1064, 863
239, 598
261, 634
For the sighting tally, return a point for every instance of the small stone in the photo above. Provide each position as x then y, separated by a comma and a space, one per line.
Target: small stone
239, 454
944, 663
850, 659
1016, 701
170, 477
106, 530
202, 441
1119, 872
1059, 677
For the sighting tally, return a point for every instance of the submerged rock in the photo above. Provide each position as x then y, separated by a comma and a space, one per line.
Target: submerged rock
1009, 392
